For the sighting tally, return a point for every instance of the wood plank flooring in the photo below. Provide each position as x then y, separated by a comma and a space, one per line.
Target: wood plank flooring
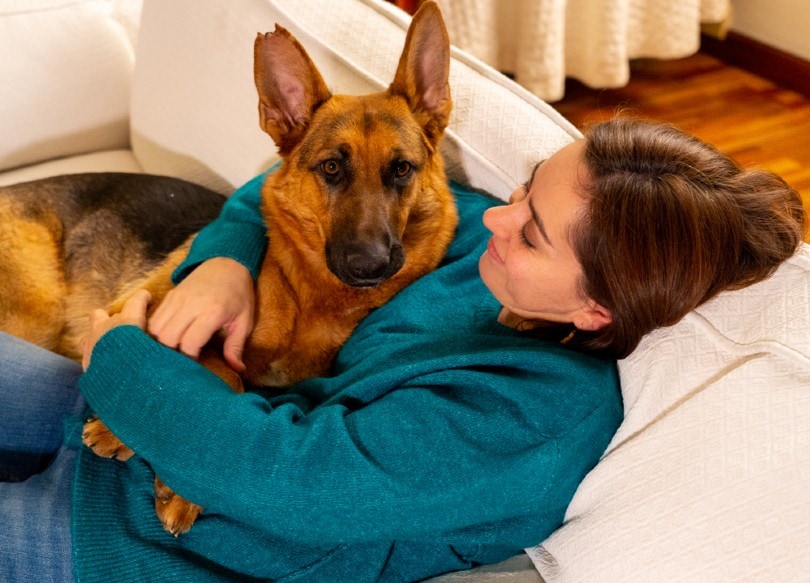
749, 118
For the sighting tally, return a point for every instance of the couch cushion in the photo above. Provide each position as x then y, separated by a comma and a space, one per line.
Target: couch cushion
66, 69
707, 478
104, 161
197, 117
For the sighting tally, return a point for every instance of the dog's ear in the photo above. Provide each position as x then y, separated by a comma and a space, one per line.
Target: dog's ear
289, 85
424, 68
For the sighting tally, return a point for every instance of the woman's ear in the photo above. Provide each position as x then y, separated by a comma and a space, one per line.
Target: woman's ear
592, 317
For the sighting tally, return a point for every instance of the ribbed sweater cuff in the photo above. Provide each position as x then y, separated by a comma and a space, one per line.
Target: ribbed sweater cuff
236, 241
126, 392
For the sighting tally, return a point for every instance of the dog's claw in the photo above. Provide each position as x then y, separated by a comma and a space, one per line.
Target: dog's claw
101, 440
176, 514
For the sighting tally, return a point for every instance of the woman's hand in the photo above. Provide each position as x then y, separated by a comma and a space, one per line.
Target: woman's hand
133, 312
217, 295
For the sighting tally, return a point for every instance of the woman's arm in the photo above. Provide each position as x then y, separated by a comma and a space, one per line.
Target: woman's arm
238, 232
475, 437
215, 283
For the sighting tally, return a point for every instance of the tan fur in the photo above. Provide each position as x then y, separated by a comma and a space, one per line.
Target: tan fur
305, 312
61, 257
29, 253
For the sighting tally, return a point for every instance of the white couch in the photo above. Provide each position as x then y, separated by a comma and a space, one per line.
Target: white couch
708, 478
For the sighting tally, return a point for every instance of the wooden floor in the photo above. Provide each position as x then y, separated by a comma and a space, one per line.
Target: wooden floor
747, 117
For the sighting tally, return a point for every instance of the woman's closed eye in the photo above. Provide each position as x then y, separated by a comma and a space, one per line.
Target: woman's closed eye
524, 239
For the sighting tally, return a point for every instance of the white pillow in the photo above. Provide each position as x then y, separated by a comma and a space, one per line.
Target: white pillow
708, 477
66, 69
195, 105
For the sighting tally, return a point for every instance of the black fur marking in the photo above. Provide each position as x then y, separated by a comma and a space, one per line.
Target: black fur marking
162, 212
159, 211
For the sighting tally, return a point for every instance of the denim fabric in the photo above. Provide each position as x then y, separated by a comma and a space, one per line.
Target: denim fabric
38, 392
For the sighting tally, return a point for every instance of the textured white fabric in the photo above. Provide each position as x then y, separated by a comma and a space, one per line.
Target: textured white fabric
195, 106
708, 478
66, 69
543, 41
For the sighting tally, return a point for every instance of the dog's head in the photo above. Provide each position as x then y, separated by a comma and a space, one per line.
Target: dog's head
357, 169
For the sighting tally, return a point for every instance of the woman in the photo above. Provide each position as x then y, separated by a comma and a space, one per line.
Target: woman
449, 435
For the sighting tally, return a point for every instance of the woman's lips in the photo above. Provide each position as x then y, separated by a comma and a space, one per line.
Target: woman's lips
493, 252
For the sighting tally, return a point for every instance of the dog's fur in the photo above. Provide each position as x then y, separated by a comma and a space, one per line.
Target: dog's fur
70, 244
358, 209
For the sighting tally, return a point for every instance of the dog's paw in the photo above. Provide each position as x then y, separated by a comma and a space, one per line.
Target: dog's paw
101, 440
175, 513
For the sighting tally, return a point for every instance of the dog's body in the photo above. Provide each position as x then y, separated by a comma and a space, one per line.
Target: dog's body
359, 208
70, 244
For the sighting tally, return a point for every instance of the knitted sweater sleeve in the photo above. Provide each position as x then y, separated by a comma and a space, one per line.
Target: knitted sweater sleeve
476, 439
239, 233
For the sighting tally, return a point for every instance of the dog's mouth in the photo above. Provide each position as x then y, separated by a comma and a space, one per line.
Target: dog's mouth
367, 265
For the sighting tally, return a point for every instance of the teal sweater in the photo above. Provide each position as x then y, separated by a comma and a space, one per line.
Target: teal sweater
443, 440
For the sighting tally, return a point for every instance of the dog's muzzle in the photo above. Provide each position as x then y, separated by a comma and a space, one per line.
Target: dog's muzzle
365, 265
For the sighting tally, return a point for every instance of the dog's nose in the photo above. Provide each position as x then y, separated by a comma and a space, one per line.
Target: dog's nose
370, 263
365, 264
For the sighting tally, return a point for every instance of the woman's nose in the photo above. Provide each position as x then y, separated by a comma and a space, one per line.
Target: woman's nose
497, 218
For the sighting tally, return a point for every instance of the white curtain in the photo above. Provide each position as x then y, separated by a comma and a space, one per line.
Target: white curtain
543, 41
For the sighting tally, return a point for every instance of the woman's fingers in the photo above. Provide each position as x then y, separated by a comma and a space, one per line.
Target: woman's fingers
133, 312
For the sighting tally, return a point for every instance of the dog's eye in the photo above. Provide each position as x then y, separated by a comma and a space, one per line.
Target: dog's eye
330, 167
402, 169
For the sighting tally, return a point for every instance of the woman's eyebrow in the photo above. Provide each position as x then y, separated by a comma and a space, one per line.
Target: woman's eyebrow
528, 184
535, 217
539, 223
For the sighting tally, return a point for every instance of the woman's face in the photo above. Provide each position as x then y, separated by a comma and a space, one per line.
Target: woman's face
529, 265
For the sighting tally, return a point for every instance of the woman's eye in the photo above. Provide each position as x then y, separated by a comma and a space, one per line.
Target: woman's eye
402, 169
330, 167
524, 239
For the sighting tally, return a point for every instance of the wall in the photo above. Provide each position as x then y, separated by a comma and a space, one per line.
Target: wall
782, 24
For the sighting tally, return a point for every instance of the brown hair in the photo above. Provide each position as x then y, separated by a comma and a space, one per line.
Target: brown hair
669, 223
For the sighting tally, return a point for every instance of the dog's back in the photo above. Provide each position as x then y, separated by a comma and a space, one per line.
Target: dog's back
69, 244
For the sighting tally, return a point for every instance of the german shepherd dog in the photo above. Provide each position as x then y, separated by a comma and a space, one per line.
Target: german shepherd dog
358, 209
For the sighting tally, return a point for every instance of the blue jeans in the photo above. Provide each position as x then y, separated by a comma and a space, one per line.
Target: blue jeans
37, 392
